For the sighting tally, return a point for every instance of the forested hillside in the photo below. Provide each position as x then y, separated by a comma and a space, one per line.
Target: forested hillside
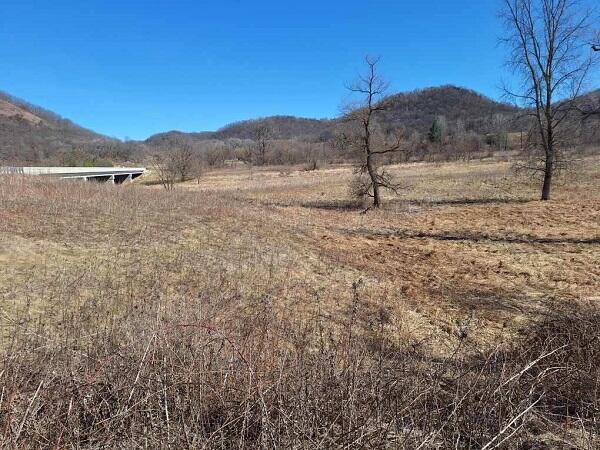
30, 134
413, 111
418, 109
467, 122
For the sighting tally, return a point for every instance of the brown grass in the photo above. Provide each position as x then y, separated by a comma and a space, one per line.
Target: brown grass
263, 309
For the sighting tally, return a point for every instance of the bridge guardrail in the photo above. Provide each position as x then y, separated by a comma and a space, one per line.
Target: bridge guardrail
12, 171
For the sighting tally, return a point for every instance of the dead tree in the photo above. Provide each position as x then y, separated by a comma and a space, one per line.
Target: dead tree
367, 136
548, 51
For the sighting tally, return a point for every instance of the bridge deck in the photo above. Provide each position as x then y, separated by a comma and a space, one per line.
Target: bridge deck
118, 174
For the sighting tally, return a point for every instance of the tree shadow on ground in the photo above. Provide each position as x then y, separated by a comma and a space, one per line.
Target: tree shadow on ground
334, 205
358, 205
476, 237
469, 201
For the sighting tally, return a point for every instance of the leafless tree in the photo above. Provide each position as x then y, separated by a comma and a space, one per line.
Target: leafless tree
165, 171
183, 161
497, 137
548, 51
369, 139
177, 164
262, 137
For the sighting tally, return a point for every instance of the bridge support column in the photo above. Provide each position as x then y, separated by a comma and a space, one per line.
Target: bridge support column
129, 178
111, 179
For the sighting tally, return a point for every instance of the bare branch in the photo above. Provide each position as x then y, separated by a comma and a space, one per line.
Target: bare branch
545, 43
368, 138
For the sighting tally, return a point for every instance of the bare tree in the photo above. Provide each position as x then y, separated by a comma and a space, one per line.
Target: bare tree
312, 152
183, 161
244, 154
548, 51
262, 137
177, 164
165, 171
369, 140
497, 136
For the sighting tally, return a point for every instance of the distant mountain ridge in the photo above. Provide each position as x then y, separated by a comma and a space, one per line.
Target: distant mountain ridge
283, 127
414, 110
34, 134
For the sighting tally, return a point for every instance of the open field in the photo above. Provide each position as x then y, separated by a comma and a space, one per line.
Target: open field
462, 240
263, 308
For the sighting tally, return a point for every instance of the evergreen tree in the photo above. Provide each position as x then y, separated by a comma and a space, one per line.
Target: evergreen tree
436, 132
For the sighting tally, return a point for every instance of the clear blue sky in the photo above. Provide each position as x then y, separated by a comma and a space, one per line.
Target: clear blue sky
133, 68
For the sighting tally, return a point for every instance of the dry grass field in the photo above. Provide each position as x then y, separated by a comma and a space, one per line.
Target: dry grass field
263, 308
462, 241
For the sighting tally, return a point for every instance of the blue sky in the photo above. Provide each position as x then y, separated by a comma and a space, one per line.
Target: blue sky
133, 68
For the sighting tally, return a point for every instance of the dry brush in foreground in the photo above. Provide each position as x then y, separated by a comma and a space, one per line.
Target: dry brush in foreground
170, 375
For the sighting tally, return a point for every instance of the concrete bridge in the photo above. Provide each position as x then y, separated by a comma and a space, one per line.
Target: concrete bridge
102, 174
